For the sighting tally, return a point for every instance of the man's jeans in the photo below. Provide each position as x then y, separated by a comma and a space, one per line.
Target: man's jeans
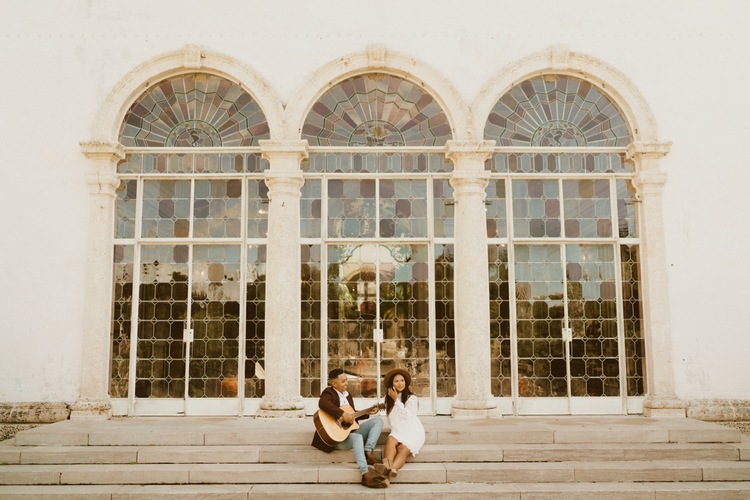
363, 439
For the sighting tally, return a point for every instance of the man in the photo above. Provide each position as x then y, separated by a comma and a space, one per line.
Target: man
362, 440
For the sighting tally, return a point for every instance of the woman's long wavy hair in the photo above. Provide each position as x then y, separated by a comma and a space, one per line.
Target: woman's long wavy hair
404, 397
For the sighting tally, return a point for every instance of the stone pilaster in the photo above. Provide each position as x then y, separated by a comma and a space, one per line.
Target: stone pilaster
469, 180
660, 400
102, 179
282, 343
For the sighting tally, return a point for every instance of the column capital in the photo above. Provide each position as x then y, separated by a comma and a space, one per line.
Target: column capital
649, 180
102, 176
470, 149
97, 150
648, 150
294, 148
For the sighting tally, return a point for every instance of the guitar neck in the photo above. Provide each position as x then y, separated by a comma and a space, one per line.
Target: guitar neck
365, 411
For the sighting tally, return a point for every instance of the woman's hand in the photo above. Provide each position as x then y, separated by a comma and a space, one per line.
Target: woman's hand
392, 393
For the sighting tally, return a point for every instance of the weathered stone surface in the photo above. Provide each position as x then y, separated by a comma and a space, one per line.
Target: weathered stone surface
719, 409
33, 413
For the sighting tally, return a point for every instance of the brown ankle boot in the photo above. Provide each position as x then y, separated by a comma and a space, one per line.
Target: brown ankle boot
373, 481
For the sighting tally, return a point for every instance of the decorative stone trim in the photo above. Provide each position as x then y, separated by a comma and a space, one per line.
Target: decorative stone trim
719, 410
559, 60
33, 413
192, 57
107, 123
376, 57
476, 150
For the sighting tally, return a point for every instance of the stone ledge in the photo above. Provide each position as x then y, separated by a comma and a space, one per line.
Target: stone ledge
33, 413
719, 410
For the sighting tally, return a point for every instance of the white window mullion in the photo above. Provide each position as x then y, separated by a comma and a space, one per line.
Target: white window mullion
135, 298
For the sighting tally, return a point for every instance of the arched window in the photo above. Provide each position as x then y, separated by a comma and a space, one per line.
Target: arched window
376, 110
564, 250
377, 229
190, 247
196, 110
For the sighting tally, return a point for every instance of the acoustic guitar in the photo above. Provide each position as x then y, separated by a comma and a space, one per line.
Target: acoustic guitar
331, 431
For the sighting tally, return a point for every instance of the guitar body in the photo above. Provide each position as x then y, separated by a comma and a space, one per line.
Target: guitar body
331, 431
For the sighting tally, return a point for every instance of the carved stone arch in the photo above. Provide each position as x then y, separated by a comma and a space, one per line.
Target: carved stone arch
190, 59
558, 60
377, 59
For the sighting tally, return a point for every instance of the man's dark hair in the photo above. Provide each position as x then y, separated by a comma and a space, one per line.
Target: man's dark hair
335, 373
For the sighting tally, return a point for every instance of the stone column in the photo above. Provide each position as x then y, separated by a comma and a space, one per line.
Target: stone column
282, 343
102, 179
471, 280
660, 400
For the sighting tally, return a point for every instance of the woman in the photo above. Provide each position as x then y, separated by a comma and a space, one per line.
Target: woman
407, 433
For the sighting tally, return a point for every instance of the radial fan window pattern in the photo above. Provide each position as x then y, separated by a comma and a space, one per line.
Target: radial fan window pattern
556, 111
376, 110
195, 110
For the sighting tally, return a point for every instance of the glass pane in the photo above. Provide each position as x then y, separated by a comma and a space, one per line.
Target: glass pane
376, 109
556, 111
443, 207
563, 163
445, 334
632, 319
403, 208
257, 208
125, 204
588, 211
310, 215
626, 211
592, 311
351, 208
404, 312
536, 208
194, 110
377, 163
166, 209
255, 321
311, 372
540, 315
352, 309
162, 315
500, 352
123, 303
187, 163
217, 208
215, 314
497, 221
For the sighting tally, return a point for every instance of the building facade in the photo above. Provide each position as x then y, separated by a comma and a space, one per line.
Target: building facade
507, 246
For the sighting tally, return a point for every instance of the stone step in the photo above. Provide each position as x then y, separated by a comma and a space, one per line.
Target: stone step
439, 430
430, 453
434, 473
396, 491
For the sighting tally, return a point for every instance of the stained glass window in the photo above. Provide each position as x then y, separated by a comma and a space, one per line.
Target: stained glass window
194, 110
376, 110
556, 111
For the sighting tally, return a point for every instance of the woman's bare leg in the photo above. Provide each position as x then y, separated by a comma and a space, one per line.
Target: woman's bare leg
391, 445
402, 452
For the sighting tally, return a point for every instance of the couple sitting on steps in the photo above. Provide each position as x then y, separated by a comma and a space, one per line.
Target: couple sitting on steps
338, 414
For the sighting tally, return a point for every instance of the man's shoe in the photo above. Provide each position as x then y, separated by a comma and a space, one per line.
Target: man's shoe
370, 458
373, 481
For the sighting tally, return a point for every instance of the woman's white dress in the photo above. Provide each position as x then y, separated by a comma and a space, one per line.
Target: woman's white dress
405, 425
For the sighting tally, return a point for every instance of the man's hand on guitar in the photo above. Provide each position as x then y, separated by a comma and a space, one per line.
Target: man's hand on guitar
347, 418
374, 410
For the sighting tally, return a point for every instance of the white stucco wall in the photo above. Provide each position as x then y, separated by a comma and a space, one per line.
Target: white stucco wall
61, 59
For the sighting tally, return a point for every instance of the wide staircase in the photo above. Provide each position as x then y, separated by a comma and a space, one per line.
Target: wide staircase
629, 457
